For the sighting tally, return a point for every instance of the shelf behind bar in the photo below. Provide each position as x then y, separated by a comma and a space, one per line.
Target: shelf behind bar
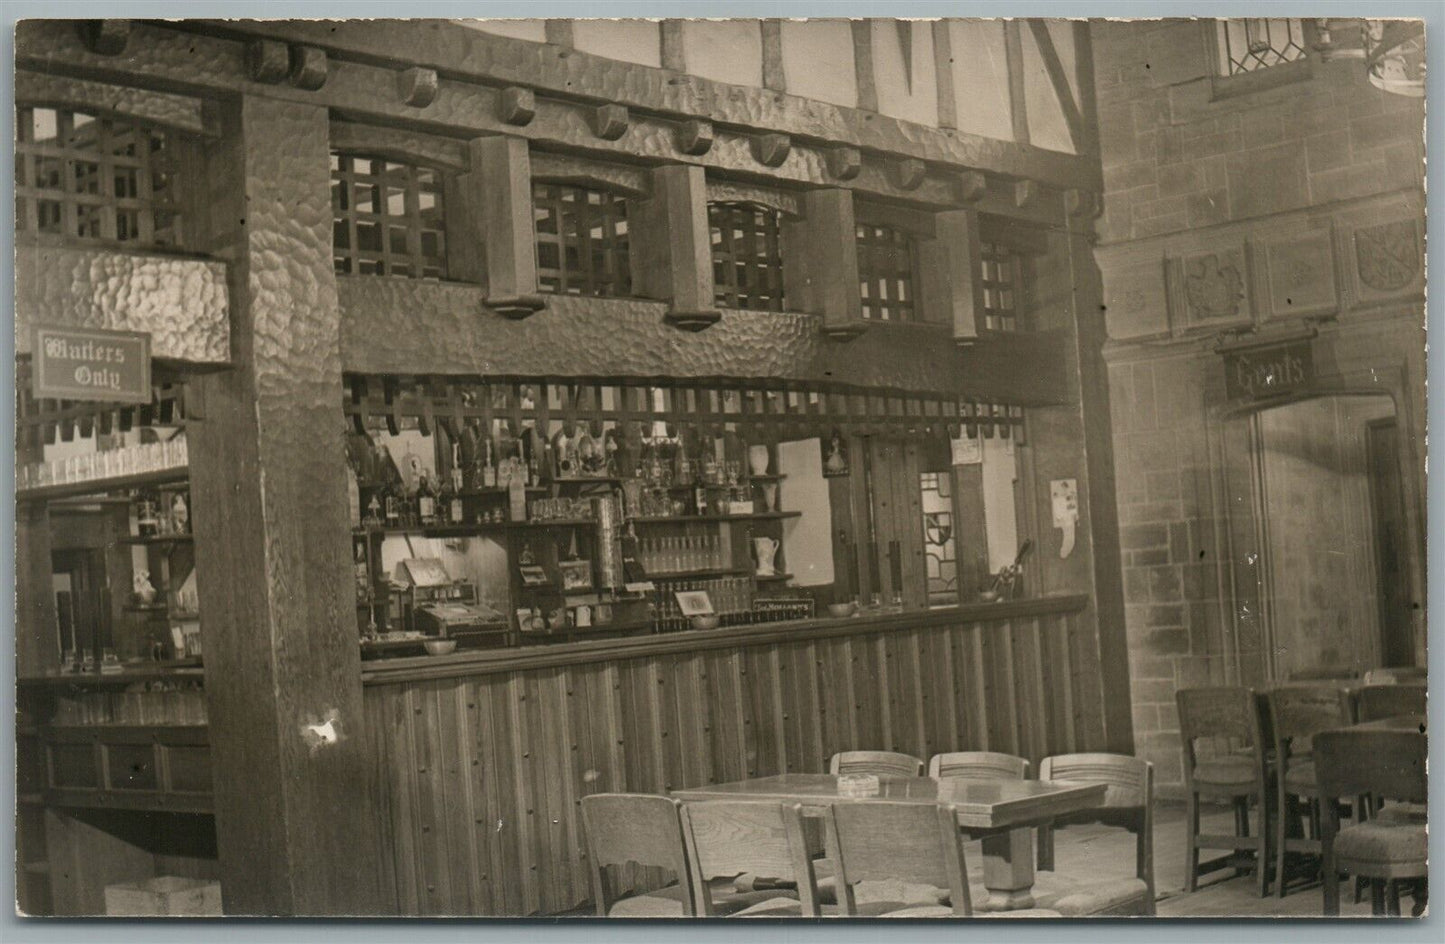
158, 539
470, 530
101, 486
755, 516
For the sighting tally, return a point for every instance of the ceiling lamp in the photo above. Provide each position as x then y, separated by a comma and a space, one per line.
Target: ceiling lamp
1395, 56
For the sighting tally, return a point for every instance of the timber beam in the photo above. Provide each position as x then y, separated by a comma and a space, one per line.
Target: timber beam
165, 59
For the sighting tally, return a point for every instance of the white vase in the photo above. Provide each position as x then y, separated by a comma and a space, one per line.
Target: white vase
758, 459
770, 496
767, 551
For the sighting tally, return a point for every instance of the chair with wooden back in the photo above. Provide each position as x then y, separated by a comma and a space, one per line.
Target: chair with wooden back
882, 763
1128, 804
899, 845
1385, 765
727, 838
1298, 713
978, 765
1240, 776
637, 829
1375, 702
1395, 675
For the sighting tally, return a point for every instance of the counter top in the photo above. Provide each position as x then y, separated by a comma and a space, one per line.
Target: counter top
130, 673
493, 661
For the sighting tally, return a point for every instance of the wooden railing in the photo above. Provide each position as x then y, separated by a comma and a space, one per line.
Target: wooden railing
480, 761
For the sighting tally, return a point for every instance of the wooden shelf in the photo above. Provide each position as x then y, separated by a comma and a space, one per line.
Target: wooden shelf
773, 578
158, 539
100, 486
699, 574
587, 480
683, 519
470, 530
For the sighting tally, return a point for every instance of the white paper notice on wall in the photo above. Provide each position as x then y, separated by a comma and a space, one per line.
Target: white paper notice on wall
968, 450
807, 539
1064, 498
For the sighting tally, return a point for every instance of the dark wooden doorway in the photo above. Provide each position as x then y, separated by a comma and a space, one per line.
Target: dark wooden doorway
1387, 506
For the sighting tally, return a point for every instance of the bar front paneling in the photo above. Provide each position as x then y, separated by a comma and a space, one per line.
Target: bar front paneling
480, 763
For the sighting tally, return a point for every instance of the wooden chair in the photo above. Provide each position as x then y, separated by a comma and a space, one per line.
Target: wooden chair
1391, 846
1297, 714
726, 838
646, 830
1324, 673
1374, 702
1395, 675
978, 765
1240, 776
1128, 804
883, 763
902, 844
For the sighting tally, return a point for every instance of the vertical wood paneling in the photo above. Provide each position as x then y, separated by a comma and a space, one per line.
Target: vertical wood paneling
479, 779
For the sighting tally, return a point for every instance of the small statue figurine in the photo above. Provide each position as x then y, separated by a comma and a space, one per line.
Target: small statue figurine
180, 514
145, 593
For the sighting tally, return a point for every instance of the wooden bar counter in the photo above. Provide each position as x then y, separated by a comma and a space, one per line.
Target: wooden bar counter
480, 759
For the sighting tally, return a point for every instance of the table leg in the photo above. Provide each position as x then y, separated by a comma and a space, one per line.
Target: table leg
1008, 870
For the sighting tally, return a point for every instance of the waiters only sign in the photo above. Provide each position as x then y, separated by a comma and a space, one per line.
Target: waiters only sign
92, 364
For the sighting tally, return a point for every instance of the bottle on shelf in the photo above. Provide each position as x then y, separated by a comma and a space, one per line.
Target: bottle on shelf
489, 467
392, 494
426, 501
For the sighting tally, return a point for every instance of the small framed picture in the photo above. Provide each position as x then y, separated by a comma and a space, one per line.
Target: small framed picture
693, 602
576, 575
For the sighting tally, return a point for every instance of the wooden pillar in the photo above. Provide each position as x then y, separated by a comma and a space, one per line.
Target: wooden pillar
37, 646
943, 73
678, 257
501, 193
863, 64
1087, 308
296, 823
831, 243
961, 265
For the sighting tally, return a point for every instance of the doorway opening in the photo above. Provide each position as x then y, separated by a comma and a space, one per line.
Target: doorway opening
1320, 549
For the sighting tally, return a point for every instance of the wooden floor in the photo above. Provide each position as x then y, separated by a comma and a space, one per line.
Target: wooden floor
1110, 852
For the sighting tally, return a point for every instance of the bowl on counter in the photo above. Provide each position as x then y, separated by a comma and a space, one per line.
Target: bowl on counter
706, 622
840, 610
440, 647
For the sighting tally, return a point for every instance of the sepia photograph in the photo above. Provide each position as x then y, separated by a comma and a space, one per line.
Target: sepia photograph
700, 468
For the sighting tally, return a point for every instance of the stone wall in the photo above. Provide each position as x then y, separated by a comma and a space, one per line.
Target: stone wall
1237, 206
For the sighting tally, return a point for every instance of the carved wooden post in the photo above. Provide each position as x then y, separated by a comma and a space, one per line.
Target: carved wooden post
502, 223
832, 254
36, 648
962, 271
682, 246
295, 820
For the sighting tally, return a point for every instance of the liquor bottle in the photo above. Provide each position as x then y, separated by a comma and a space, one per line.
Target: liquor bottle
489, 469
391, 489
517, 499
353, 497
454, 500
426, 501
700, 497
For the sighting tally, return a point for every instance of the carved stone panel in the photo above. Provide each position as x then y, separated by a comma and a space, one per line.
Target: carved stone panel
1210, 289
1387, 259
1296, 275
1135, 302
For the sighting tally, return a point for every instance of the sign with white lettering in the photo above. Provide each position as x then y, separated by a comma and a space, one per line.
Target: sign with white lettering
92, 364
1268, 371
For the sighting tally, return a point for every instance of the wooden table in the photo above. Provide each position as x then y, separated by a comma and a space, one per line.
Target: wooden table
997, 811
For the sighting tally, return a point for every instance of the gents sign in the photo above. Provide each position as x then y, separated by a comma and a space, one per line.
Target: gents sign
91, 364
1268, 371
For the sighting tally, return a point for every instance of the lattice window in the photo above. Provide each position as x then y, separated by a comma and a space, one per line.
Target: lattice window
388, 218
582, 244
747, 259
1000, 279
939, 548
1246, 45
96, 178
885, 272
